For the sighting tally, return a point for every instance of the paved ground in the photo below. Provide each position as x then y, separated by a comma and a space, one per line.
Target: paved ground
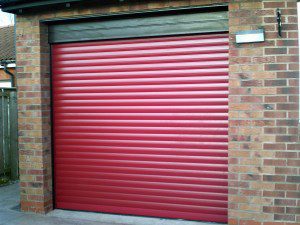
10, 215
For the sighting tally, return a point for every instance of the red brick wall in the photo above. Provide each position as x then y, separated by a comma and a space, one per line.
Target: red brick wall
263, 144
33, 85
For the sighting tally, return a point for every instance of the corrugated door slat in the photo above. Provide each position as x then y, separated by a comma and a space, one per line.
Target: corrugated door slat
141, 126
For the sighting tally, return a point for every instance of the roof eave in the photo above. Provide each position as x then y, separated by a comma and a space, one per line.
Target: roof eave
7, 61
19, 7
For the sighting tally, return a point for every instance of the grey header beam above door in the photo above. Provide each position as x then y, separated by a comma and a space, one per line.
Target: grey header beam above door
149, 24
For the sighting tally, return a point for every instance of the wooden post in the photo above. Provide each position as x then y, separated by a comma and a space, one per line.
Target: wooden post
1, 133
13, 118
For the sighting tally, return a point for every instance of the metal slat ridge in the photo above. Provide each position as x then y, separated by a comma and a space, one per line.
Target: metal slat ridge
144, 131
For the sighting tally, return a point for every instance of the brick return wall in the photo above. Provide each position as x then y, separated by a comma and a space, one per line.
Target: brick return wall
264, 147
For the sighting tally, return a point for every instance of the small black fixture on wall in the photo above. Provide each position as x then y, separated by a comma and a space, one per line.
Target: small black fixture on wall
279, 22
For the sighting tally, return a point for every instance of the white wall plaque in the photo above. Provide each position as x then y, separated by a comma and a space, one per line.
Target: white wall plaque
250, 36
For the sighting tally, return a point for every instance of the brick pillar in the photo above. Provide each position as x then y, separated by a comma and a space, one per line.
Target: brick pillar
34, 115
264, 145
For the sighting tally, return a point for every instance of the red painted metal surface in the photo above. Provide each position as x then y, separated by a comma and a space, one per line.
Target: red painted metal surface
141, 126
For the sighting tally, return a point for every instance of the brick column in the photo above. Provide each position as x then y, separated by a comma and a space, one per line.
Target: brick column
34, 115
264, 144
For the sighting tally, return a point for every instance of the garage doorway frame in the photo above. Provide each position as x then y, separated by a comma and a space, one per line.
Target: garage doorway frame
52, 24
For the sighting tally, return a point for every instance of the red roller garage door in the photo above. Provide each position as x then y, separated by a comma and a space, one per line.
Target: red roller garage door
141, 126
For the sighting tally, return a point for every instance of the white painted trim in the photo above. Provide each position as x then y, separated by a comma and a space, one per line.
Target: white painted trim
10, 65
5, 84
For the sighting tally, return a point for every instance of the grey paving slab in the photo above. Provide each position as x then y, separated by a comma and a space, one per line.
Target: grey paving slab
6, 216
123, 219
8, 203
44, 220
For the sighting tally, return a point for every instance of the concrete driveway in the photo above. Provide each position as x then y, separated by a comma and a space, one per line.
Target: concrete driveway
10, 214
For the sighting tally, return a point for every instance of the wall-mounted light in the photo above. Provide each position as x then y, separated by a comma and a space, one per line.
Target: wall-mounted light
279, 22
250, 36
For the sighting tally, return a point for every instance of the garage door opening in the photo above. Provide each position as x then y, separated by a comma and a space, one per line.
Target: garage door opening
141, 126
